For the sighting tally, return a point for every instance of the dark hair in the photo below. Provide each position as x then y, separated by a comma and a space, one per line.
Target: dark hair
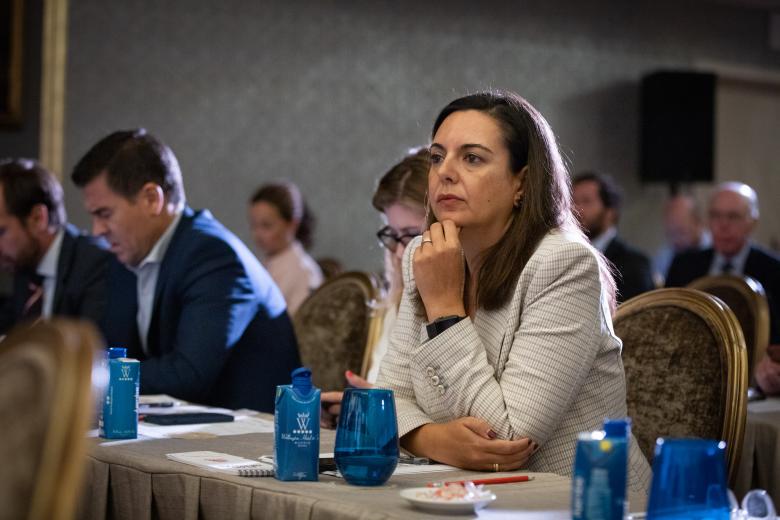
130, 159
546, 202
287, 199
405, 183
609, 192
27, 184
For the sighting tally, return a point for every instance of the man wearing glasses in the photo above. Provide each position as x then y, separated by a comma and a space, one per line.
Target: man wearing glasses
733, 215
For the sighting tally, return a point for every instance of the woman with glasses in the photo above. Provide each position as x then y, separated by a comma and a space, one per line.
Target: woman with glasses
503, 349
282, 228
400, 200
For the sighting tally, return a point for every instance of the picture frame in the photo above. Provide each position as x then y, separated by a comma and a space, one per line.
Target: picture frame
11, 53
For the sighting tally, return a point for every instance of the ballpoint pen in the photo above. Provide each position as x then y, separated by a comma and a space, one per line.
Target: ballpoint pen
477, 481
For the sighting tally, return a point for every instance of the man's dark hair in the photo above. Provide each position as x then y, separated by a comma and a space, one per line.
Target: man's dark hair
130, 159
27, 184
609, 192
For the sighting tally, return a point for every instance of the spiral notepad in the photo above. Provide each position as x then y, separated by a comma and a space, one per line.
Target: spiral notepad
224, 463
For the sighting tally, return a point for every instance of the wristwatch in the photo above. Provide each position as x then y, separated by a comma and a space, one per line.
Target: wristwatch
439, 325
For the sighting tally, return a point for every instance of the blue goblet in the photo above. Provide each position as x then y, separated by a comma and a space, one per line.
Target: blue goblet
689, 480
366, 449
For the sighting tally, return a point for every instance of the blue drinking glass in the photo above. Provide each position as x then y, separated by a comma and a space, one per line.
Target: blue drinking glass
366, 450
689, 480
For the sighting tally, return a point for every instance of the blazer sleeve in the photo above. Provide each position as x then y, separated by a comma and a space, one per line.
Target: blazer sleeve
550, 353
396, 366
217, 304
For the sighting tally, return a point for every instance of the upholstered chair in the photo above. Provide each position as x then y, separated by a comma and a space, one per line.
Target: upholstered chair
686, 368
45, 408
746, 298
337, 327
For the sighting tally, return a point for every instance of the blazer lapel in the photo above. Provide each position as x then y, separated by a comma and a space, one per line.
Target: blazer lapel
64, 265
170, 260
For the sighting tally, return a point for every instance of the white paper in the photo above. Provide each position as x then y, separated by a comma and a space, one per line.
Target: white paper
223, 462
400, 469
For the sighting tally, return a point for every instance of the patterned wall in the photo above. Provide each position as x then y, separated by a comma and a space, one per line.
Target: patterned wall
330, 93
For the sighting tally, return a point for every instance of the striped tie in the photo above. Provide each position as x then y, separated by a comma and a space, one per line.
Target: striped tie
33, 307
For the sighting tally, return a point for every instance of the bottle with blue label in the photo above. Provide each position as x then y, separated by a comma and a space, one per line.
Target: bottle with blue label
119, 419
297, 428
600, 472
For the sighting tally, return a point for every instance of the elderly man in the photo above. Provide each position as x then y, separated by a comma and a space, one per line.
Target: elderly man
196, 307
733, 215
56, 269
597, 200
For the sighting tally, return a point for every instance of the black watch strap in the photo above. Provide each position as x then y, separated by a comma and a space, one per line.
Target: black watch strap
439, 325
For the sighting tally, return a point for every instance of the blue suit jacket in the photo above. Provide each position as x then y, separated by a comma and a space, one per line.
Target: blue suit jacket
80, 286
219, 332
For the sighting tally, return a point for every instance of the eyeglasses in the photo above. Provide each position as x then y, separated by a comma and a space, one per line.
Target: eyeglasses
389, 239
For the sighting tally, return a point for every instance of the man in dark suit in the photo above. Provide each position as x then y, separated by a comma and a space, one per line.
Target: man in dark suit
597, 202
196, 307
56, 269
733, 215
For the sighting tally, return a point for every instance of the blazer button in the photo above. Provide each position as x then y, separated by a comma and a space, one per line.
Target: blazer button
441, 389
430, 371
435, 380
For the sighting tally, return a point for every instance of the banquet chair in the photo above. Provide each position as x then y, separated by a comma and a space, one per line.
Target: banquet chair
686, 369
747, 300
337, 327
45, 409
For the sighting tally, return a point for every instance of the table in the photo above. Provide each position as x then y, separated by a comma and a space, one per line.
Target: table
759, 465
136, 481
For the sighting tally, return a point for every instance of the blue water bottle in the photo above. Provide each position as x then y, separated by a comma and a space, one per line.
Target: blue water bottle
119, 419
297, 428
601, 472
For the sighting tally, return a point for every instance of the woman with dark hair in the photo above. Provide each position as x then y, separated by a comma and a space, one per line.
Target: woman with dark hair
503, 349
282, 228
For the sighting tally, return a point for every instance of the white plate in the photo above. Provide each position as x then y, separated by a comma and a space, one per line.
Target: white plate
425, 498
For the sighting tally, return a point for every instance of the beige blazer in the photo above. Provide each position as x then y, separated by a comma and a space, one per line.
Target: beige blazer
547, 365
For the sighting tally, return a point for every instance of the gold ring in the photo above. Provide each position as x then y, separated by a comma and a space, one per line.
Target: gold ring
495, 467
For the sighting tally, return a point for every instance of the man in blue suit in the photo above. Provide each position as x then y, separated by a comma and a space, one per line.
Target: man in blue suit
194, 305
57, 270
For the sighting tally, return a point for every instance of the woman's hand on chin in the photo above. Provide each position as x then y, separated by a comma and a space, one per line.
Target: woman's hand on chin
468, 443
439, 272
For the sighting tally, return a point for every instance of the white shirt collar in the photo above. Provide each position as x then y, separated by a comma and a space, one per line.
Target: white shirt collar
157, 253
602, 241
47, 267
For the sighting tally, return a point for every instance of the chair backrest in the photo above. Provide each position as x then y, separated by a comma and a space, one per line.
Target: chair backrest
45, 409
686, 369
337, 326
747, 300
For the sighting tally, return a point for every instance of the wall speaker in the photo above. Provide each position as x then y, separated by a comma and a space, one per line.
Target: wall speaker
677, 127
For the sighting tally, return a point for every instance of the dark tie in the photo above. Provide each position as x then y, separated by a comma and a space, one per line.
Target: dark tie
727, 267
33, 306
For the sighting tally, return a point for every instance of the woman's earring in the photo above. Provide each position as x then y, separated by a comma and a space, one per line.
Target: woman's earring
427, 209
518, 203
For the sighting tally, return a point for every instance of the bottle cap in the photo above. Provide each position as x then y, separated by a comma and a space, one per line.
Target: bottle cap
617, 427
117, 352
301, 380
